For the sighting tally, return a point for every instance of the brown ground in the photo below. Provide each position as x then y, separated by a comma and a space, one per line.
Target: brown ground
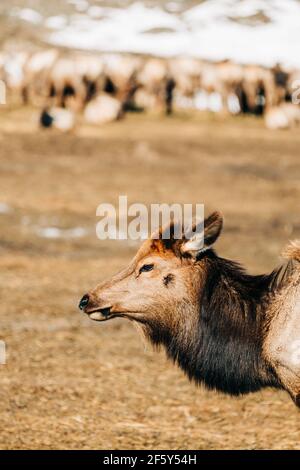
71, 383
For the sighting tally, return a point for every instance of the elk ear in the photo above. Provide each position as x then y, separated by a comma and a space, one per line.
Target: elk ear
205, 236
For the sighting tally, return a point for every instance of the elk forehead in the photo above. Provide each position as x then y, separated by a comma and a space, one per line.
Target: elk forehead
156, 250
164, 254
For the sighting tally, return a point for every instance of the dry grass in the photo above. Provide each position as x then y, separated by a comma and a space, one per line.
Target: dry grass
70, 383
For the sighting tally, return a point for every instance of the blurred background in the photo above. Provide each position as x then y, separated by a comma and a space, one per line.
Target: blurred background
162, 101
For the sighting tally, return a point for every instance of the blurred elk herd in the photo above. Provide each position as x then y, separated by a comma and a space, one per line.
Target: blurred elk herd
104, 87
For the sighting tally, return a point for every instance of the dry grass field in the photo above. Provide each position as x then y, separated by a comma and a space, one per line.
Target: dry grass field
71, 383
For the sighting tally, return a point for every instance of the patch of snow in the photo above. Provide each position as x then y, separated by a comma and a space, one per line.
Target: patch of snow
27, 14
56, 22
80, 5
96, 11
219, 37
4, 208
173, 7
208, 30
41, 60
57, 233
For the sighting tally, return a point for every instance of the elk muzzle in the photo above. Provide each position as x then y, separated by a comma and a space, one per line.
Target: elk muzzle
93, 310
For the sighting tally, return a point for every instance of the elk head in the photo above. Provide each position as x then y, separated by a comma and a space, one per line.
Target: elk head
161, 285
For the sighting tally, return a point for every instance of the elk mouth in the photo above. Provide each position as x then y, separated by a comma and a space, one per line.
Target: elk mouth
101, 314
106, 313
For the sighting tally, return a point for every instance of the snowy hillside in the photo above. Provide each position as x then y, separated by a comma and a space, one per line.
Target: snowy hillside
258, 31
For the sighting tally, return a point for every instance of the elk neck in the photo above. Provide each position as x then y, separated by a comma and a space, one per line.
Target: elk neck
224, 350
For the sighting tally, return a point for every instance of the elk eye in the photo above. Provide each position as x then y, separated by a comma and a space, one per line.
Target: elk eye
146, 268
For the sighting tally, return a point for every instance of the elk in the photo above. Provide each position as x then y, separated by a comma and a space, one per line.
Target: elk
229, 330
284, 116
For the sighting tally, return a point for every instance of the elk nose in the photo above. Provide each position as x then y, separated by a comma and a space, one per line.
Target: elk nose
84, 302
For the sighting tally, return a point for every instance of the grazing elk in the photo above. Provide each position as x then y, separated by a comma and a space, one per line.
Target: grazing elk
155, 85
102, 109
232, 331
284, 116
57, 118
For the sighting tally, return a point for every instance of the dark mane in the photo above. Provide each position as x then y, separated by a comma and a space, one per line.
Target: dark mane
280, 276
225, 350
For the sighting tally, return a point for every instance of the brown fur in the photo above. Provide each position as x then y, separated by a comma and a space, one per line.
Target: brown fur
225, 328
292, 251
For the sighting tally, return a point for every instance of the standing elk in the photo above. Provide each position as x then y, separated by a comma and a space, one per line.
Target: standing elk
36, 71
156, 85
259, 87
229, 330
186, 76
57, 118
66, 79
66, 87
120, 78
13, 72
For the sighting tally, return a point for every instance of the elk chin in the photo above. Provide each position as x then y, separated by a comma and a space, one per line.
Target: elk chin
106, 314
101, 315
98, 316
